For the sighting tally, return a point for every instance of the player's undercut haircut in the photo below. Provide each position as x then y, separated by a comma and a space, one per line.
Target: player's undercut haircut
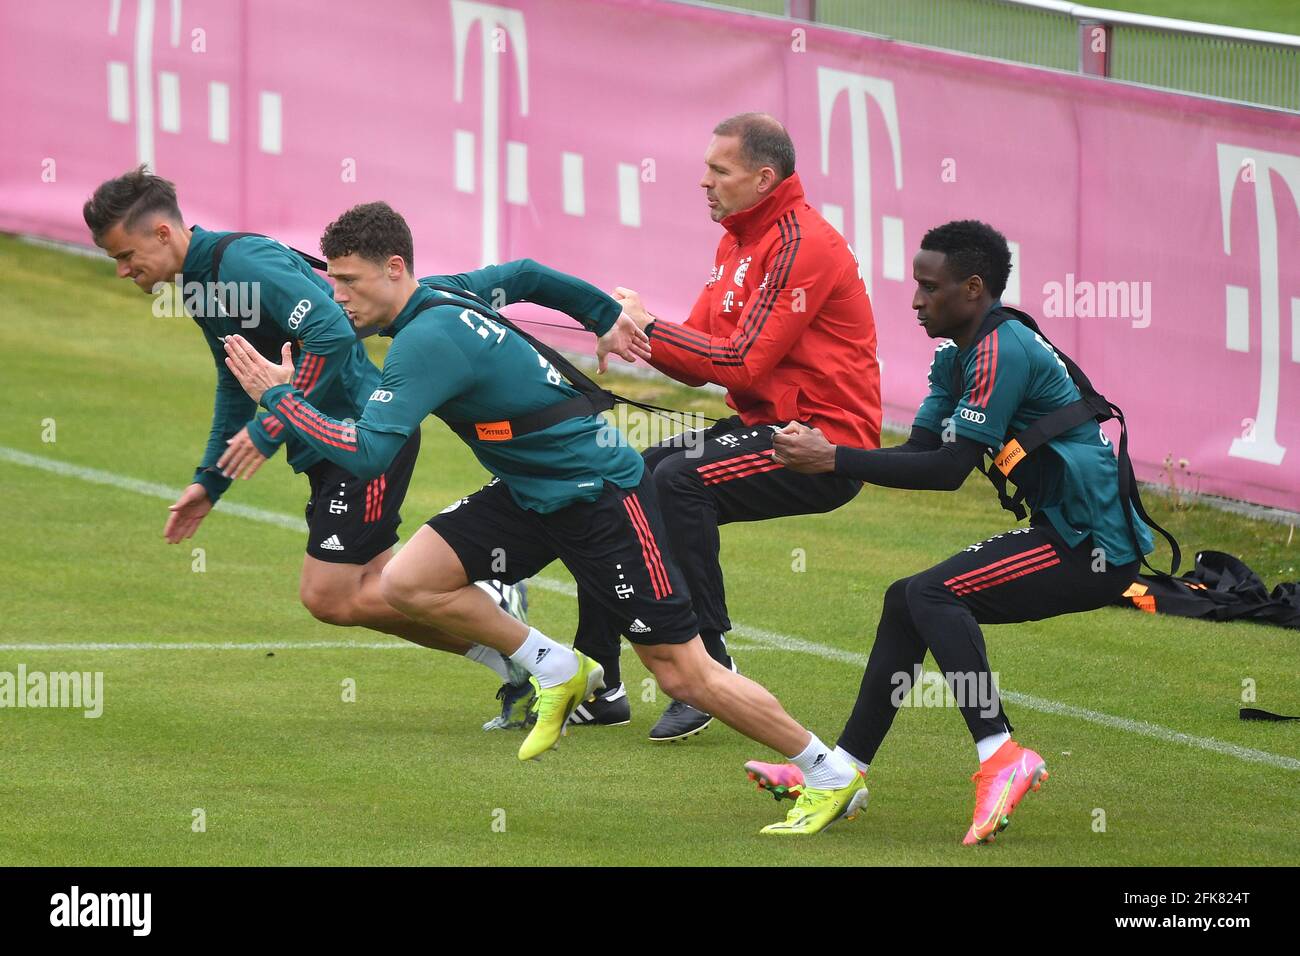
972, 248
128, 199
763, 141
375, 231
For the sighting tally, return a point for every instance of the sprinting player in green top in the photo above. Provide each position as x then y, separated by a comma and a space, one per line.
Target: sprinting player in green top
267, 293
567, 487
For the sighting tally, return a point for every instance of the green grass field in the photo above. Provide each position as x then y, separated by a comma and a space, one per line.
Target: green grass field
286, 772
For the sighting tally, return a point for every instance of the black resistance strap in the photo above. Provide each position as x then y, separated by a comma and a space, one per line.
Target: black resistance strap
592, 401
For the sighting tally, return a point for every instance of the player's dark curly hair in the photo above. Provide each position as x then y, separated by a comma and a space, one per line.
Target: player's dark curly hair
128, 199
972, 248
374, 231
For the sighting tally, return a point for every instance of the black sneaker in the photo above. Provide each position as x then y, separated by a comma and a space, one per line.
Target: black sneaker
610, 709
679, 721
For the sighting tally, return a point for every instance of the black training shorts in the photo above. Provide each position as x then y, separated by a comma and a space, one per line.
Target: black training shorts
352, 520
615, 547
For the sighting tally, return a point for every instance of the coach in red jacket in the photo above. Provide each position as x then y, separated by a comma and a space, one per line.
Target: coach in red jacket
785, 325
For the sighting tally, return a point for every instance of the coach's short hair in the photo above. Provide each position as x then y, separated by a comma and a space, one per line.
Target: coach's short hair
763, 141
374, 231
972, 248
128, 199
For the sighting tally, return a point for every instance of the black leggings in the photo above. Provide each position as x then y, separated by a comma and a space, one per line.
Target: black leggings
1023, 575
706, 479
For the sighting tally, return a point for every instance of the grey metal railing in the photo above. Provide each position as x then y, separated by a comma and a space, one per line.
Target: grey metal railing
1243, 65
1247, 66
984, 27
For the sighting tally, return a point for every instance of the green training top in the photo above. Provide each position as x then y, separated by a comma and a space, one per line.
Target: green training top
454, 363
271, 296
1010, 380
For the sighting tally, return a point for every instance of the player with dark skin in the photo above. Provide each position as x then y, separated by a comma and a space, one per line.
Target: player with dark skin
993, 378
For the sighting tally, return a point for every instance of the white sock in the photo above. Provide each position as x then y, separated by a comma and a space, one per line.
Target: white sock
989, 745
490, 658
551, 663
822, 767
862, 765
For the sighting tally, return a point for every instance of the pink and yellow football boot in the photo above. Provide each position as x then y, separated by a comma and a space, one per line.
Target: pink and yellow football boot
1000, 783
781, 780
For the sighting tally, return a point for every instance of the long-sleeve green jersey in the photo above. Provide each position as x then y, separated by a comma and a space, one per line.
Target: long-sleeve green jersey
1009, 381
450, 361
270, 296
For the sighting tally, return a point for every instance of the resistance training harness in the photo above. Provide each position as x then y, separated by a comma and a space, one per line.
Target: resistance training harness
1092, 405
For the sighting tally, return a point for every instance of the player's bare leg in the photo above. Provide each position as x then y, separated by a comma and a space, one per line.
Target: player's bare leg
428, 583
687, 673
349, 595
833, 788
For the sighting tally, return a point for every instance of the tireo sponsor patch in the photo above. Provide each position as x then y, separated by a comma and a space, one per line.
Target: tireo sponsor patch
1009, 456
493, 431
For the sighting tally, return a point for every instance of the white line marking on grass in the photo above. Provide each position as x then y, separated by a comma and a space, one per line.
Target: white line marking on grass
1152, 730
98, 477
213, 646
758, 635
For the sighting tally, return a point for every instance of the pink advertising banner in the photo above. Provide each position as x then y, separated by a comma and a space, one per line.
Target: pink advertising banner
1156, 236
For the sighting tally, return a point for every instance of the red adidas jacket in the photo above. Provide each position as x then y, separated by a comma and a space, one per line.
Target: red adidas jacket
784, 324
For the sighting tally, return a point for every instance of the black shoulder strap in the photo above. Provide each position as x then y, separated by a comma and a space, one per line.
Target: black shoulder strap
992, 319
592, 401
576, 376
1128, 491
1012, 501
269, 346
220, 250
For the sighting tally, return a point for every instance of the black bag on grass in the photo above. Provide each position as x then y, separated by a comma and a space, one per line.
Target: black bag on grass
1220, 587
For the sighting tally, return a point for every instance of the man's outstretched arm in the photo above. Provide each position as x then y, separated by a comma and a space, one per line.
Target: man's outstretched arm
231, 412
409, 389
526, 280
776, 315
924, 463
350, 445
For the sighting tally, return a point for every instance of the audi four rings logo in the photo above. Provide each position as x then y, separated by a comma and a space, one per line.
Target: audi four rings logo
381, 395
299, 312
972, 416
